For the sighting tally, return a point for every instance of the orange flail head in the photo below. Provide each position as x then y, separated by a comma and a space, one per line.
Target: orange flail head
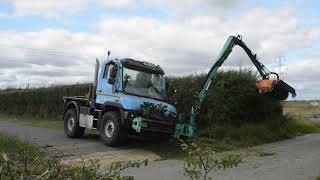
266, 85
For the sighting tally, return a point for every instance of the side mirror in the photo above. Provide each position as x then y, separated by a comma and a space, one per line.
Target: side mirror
113, 75
113, 72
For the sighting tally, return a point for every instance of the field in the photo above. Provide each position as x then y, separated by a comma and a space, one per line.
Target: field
301, 109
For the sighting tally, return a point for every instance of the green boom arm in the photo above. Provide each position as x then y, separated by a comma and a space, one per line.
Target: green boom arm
188, 130
226, 50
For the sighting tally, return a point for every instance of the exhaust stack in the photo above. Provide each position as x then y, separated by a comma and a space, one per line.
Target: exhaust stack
95, 80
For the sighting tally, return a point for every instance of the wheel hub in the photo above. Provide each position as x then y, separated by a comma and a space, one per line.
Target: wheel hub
109, 129
70, 123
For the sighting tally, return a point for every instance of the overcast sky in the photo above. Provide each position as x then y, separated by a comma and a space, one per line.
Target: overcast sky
60, 39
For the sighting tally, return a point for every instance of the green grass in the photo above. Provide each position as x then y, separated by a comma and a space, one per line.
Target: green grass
21, 160
230, 137
14, 147
252, 134
40, 122
301, 108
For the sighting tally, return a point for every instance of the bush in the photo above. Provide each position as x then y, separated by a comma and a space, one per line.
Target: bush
201, 159
52, 168
232, 99
21, 160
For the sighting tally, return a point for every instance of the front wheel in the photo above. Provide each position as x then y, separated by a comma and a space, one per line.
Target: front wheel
71, 124
111, 131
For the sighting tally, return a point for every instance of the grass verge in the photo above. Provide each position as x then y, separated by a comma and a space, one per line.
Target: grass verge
229, 138
21, 160
252, 134
39, 122
14, 147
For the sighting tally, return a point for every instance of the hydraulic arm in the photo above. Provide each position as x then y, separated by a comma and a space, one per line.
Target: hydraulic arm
275, 88
263, 71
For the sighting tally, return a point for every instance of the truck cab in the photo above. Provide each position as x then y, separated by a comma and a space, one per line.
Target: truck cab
130, 83
127, 97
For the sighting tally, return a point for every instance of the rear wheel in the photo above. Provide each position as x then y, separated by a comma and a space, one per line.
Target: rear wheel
71, 124
112, 132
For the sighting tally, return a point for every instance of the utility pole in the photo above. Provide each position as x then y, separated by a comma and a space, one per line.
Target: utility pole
281, 60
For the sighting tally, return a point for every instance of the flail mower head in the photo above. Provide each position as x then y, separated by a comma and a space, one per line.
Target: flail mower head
277, 89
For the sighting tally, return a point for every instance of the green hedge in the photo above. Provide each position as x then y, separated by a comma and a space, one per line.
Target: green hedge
40, 102
232, 99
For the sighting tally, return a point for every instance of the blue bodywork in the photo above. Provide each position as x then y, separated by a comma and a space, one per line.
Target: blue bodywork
113, 93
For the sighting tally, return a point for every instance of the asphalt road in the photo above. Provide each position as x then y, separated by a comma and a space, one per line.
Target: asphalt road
55, 141
294, 159
297, 158
49, 137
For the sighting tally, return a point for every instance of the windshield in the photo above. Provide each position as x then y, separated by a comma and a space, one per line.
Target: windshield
143, 84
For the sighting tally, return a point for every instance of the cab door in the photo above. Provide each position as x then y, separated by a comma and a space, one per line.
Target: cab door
105, 87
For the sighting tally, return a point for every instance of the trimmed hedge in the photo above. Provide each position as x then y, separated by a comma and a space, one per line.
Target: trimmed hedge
40, 102
232, 99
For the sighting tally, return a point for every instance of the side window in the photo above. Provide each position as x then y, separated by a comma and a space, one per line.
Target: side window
106, 74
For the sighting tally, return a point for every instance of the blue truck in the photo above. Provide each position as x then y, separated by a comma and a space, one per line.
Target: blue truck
130, 97
122, 92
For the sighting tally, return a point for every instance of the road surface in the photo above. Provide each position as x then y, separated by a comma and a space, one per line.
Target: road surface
294, 159
55, 141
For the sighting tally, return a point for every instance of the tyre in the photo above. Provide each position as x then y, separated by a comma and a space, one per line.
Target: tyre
71, 124
112, 133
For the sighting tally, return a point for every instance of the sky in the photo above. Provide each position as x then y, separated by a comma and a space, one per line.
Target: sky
45, 42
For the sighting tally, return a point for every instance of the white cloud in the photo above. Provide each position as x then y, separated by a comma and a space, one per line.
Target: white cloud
48, 8
197, 40
61, 8
3, 15
179, 46
313, 54
117, 3
304, 75
185, 8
